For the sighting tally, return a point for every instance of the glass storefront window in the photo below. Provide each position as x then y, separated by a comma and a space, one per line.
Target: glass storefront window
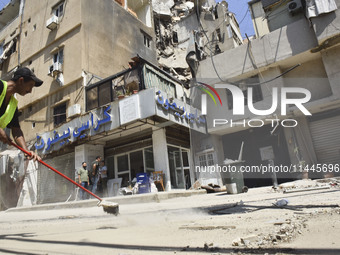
110, 167
134, 162
125, 179
123, 163
148, 155
185, 159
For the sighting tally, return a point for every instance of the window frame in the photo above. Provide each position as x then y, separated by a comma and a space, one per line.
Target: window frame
209, 158
56, 115
56, 9
56, 56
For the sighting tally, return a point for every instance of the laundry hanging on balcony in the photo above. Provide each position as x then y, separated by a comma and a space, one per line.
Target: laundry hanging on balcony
316, 7
6, 51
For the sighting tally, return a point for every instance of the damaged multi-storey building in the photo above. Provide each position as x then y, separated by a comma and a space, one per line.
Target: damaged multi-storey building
91, 54
296, 57
190, 31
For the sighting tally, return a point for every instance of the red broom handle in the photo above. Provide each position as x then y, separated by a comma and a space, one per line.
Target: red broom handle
55, 170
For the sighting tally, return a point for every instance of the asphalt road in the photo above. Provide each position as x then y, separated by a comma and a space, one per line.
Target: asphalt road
203, 224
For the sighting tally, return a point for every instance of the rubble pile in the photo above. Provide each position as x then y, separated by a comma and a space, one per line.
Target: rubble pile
171, 56
175, 22
307, 184
283, 231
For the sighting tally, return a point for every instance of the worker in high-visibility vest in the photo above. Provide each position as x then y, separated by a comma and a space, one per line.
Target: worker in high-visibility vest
21, 83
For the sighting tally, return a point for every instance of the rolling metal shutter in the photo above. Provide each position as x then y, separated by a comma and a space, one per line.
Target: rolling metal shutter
326, 139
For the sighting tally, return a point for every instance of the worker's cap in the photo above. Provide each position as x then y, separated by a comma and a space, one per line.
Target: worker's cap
26, 72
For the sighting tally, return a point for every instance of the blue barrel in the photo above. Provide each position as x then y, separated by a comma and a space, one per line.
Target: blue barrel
143, 181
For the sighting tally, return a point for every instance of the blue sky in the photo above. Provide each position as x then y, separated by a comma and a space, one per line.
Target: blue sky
3, 3
240, 8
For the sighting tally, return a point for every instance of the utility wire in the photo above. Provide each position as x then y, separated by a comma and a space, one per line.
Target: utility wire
213, 62
245, 15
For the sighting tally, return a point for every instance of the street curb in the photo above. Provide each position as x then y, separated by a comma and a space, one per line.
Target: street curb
131, 199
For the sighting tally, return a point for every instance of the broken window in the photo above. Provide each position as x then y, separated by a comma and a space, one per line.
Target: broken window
57, 62
155, 79
147, 39
59, 57
58, 10
175, 37
7, 49
59, 114
257, 91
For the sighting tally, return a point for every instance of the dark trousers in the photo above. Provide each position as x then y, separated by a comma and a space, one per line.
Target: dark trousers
83, 194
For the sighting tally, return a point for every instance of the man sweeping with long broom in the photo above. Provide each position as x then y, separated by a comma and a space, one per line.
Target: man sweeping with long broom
21, 83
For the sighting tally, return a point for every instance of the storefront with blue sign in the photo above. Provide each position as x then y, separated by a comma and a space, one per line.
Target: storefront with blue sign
145, 132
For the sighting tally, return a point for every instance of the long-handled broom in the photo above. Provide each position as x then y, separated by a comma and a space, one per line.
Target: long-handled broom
108, 207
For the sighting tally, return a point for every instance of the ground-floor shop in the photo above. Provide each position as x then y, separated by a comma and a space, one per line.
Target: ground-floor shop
131, 138
309, 150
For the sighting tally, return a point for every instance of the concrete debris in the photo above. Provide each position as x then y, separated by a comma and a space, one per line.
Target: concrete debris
163, 7
196, 186
228, 161
283, 231
237, 242
306, 185
307, 189
208, 227
178, 34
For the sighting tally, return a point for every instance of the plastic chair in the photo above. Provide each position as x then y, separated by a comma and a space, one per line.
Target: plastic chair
158, 178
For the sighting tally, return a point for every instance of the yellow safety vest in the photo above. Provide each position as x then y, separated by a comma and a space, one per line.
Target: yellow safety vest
7, 117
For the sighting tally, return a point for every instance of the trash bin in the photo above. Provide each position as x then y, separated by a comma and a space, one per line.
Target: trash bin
143, 183
232, 174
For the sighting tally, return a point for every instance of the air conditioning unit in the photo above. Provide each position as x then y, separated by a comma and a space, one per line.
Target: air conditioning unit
52, 22
73, 110
294, 6
55, 68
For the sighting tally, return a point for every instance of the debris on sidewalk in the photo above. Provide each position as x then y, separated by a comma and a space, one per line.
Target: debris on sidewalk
281, 202
304, 185
207, 227
285, 231
196, 185
212, 188
307, 189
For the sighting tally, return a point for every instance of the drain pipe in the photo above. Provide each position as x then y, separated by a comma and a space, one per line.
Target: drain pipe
21, 13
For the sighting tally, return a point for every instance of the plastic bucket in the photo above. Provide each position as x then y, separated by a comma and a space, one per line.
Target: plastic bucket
231, 188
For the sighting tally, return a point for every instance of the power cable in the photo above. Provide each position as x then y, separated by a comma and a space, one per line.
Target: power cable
245, 15
213, 62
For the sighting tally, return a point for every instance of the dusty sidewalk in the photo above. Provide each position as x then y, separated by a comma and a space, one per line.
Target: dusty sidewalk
204, 224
